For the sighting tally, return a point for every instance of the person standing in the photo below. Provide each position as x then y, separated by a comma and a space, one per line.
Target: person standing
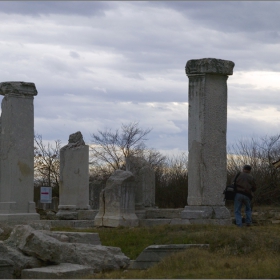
245, 186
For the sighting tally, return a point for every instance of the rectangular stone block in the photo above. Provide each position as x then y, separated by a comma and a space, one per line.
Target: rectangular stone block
87, 214
60, 271
164, 213
197, 212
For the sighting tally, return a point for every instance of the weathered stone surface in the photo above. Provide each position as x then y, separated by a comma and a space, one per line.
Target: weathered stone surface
117, 201
17, 259
47, 248
144, 177
87, 214
95, 188
17, 152
207, 130
197, 212
6, 268
60, 271
164, 213
156, 253
209, 66
221, 212
74, 177
20, 88
75, 237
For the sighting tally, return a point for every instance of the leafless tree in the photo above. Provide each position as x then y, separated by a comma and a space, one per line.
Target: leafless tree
110, 148
46, 162
260, 153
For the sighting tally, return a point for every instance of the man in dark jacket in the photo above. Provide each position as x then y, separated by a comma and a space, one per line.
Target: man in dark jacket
245, 186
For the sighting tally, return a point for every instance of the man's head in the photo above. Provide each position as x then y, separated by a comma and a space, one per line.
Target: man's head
247, 168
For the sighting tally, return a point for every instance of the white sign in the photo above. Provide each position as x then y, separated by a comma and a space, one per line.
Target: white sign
46, 195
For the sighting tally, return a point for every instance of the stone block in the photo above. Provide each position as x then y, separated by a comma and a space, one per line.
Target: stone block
221, 212
117, 201
20, 88
156, 253
144, 177
6, 268
209, 66
17, 152
76, 237
60, 271
87, 214
163, 213
95, 188
197, 212
74, 177
207, 130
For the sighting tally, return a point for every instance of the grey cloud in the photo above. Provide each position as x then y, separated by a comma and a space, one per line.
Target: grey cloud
37, 8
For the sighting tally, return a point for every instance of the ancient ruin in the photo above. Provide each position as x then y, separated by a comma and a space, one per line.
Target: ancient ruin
207, 140
17, 152
117, 201
74, 177
144, 183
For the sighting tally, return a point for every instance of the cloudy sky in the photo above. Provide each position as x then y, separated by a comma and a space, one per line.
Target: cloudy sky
97, 65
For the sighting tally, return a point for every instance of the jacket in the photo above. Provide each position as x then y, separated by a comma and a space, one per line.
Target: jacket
245, 184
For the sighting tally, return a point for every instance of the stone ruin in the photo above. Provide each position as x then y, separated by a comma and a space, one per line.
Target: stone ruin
29, 253
206, 170
74, 178
207, 140
144, 184
117, 201
17, 152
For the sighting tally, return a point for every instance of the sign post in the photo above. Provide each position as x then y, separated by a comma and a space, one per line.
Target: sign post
46, 195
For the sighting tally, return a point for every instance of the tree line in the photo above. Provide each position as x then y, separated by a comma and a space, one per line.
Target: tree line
108, 150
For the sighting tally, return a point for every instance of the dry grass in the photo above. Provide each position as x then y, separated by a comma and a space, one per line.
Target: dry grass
252, 252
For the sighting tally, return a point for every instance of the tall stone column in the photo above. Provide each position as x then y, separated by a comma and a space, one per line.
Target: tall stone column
17, 152
207, 137
74, 178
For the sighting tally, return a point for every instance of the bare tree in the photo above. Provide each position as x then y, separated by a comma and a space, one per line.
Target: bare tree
260, 154
46, 162
110, 148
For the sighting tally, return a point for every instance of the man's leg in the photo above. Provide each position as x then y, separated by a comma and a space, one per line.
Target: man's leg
248, 210
237, 209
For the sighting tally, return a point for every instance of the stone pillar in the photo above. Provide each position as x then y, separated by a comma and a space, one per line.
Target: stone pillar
74, 178
117, 201
207, 137
17, 152
144, 184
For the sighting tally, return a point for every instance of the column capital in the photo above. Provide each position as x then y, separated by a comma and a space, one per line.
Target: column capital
18, 88
209, 66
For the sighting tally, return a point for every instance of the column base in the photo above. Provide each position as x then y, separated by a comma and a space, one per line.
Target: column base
200, 214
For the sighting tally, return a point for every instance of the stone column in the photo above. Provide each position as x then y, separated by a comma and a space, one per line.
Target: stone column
74, 177
207, 137
17, 152
144, 184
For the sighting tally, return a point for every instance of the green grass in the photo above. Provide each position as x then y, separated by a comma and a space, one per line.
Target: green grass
252, 252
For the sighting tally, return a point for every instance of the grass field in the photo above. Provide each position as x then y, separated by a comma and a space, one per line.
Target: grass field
249, 252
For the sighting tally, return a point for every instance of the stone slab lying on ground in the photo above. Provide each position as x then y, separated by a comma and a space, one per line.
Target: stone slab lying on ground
155, 253
46, 248
6, 268
157, 222
18, 260
60, 271
75, 237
